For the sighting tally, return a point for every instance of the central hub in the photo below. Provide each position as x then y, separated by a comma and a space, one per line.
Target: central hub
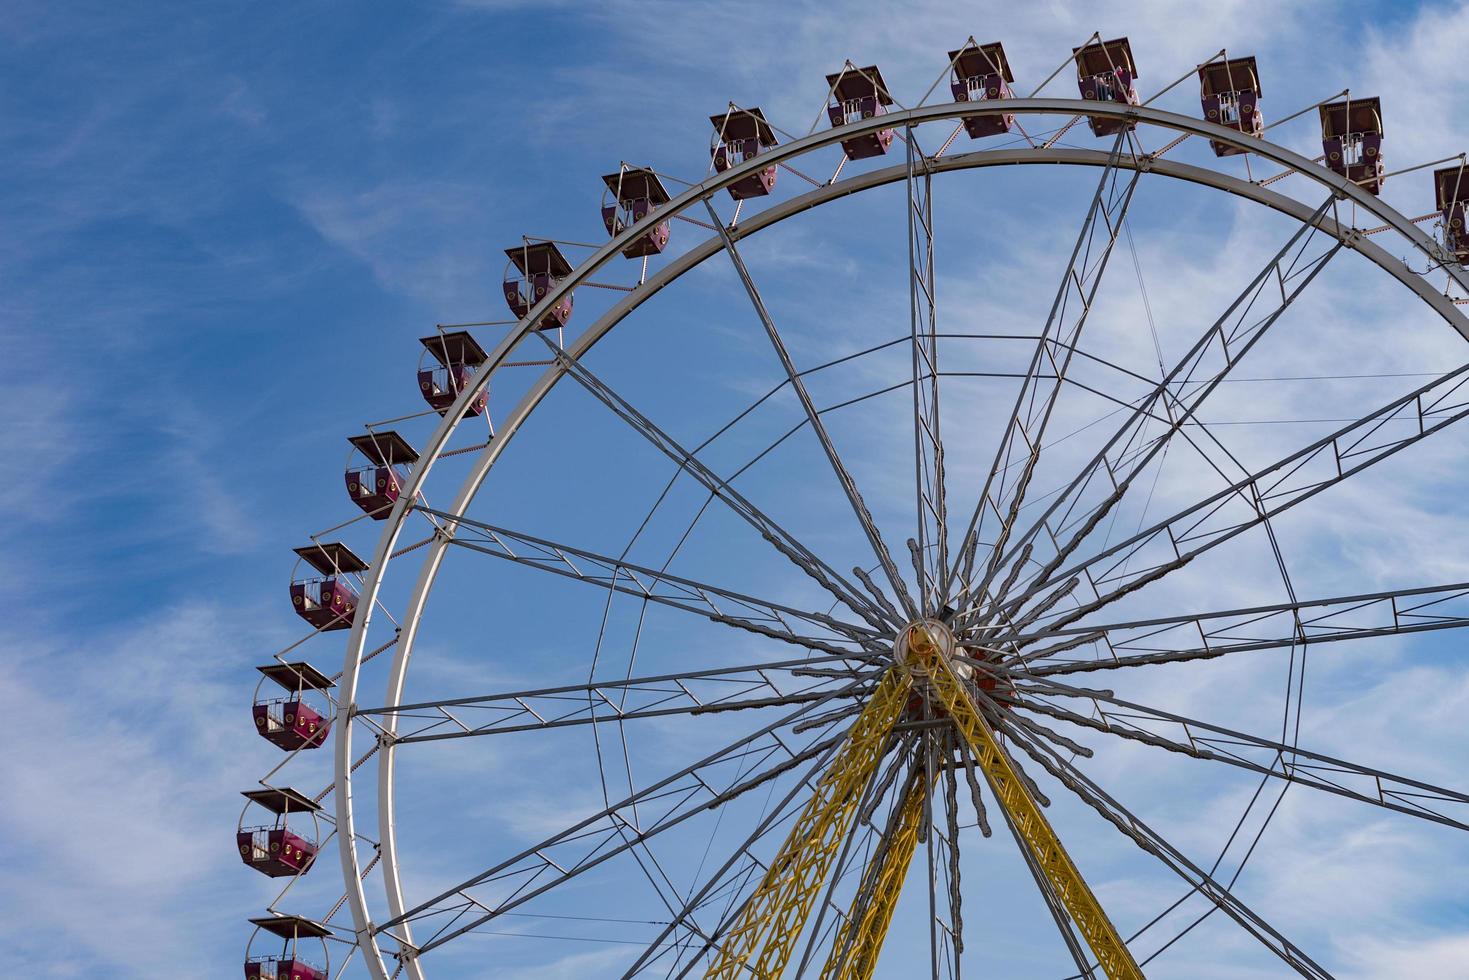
920, 641
924, 640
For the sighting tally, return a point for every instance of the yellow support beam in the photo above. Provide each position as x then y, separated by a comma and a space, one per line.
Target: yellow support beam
861, 960
765, 934
929, 664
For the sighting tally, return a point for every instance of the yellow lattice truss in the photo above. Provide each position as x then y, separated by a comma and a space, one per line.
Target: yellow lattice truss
868, 927
763, 938
1070, 888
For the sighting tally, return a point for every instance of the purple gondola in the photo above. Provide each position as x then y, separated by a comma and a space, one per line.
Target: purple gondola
1105, 72
276, 849
292, 722
857, 94
980, 73
739, 135
457, 355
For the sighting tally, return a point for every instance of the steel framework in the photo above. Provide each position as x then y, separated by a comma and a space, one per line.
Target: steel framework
878, 702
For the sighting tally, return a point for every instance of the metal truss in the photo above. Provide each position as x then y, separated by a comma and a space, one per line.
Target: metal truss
1203, 740
1013, 793
858, 942
1173, 403
781, 539
1020, 446
1177, 540
1144, 836
813, 417
1203, 636
771, 921
713, 603
931, 546
694, 692
628, 824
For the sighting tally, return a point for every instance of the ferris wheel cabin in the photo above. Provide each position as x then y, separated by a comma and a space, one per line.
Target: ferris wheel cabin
328, 598
292, 722
740, 134
540, 266
1351, 139
856, 94
635, 193
275, 849
375, 485
458, 355
1451, 187
1105, 73
980, 73
291, 962
1230, 92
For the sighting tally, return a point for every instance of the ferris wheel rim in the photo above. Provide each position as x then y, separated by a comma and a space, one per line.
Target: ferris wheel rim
681, 265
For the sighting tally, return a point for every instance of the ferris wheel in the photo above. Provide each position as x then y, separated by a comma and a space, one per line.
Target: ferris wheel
793, 652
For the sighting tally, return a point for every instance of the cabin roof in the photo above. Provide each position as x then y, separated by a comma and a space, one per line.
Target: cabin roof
981, 59
330, 557
1234, 75
282, 800
455, 347
384, 448
292, 927
539, 257
742, 124
1100, 57
637, 183
294, 675
859, 83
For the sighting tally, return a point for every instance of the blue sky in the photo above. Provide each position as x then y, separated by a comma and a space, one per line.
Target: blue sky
228, 224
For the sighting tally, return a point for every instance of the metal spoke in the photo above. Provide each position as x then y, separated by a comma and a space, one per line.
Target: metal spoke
1176, 398
779, 537
931, 556
608, 702
1144, 836
619, 828
1200, 739
1262, 494
854, 497
1002, 496
1203, 636
716, 604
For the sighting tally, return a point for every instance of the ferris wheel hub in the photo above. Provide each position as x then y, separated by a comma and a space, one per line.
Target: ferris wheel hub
918, 640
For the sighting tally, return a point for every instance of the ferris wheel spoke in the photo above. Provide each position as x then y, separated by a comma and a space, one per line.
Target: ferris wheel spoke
1002, 495
1203, 636
1175, 400
1203, 740
1175, 541
782, 540
813, 418
931, 556
626, 824
712, 691
713, 603
1150, 841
